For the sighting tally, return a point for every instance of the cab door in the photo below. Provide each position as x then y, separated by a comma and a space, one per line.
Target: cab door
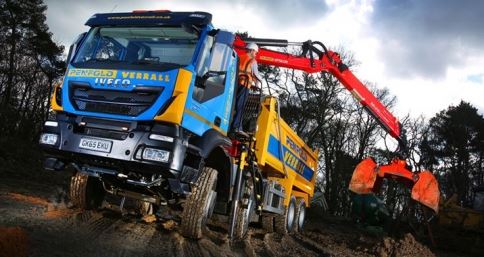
209, 105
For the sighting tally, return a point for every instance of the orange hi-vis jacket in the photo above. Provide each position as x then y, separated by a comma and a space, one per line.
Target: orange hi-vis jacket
246, 74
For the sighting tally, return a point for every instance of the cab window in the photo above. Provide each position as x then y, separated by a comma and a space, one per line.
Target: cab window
212, 61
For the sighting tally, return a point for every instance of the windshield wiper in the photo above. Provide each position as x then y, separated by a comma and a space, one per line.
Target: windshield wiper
102, 60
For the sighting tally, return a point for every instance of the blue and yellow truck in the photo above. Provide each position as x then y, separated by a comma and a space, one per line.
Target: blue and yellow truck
144, 112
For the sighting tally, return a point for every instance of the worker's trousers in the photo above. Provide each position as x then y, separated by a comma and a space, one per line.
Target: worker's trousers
242, 94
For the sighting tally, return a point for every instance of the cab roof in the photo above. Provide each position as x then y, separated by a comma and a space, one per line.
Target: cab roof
149, 18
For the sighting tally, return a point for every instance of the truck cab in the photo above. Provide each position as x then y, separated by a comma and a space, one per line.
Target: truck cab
145, 106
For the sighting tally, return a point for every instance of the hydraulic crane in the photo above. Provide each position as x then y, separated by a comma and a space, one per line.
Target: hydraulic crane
368, 175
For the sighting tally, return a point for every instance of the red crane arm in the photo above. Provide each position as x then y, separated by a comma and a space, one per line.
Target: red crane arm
329, 62
367, 175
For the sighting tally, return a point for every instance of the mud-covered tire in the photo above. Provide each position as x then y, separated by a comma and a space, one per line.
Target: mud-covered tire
300, 215
284, 224
245, 210
145, 208
199, 203
267, 223
86, 192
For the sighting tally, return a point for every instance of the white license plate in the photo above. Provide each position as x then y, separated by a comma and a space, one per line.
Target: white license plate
96, 144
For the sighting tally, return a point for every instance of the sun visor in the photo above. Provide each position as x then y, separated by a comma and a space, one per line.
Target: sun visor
150, 18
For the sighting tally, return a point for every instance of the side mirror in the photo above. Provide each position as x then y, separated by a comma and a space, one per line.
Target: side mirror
74, 47
201, 81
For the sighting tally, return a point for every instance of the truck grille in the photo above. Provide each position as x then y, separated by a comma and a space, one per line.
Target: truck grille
133, 103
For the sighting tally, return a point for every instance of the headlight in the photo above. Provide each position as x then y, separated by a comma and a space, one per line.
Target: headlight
156, 155
51, 123
161, 138
48, 139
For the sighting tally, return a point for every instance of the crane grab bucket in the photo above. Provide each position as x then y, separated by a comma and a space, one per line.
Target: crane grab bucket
364, 177
368, 175
426, 190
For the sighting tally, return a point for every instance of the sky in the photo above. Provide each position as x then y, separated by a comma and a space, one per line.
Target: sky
428, 53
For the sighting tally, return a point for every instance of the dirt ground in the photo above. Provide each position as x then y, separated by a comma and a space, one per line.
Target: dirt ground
35, 220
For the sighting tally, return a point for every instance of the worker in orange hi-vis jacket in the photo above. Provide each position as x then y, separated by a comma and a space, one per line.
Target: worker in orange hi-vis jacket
248, 78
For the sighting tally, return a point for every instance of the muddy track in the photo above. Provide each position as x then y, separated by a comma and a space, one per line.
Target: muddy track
103, 233
52, 229
108, 233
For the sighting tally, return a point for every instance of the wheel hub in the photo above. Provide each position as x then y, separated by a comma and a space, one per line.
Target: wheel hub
290, 216
302, 214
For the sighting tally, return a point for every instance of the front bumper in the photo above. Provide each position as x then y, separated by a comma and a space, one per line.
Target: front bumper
128, 138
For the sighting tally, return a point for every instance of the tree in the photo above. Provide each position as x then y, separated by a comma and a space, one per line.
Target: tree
30, 64
454, 147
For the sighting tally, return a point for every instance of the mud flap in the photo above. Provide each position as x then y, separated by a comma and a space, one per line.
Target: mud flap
364, 177
426, 190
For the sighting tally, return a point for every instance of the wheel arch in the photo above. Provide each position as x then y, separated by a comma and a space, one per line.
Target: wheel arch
302, 195
212, 147
222, 162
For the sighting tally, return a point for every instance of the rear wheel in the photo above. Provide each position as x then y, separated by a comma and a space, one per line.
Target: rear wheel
267, 223
199, 204
284, 224
245, 210
86, 192
300, 214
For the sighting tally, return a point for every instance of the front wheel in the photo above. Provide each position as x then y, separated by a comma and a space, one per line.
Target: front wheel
199, 204
86, 192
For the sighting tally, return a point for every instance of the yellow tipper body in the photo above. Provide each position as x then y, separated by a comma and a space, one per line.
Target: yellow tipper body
282, 154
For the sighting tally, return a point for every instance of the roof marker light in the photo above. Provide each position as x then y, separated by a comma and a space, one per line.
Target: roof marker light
145, 11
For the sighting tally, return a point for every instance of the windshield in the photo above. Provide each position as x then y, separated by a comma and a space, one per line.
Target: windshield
155, 48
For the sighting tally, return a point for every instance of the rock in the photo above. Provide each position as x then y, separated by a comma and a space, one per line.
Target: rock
407, 246
169, 225
149, 218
